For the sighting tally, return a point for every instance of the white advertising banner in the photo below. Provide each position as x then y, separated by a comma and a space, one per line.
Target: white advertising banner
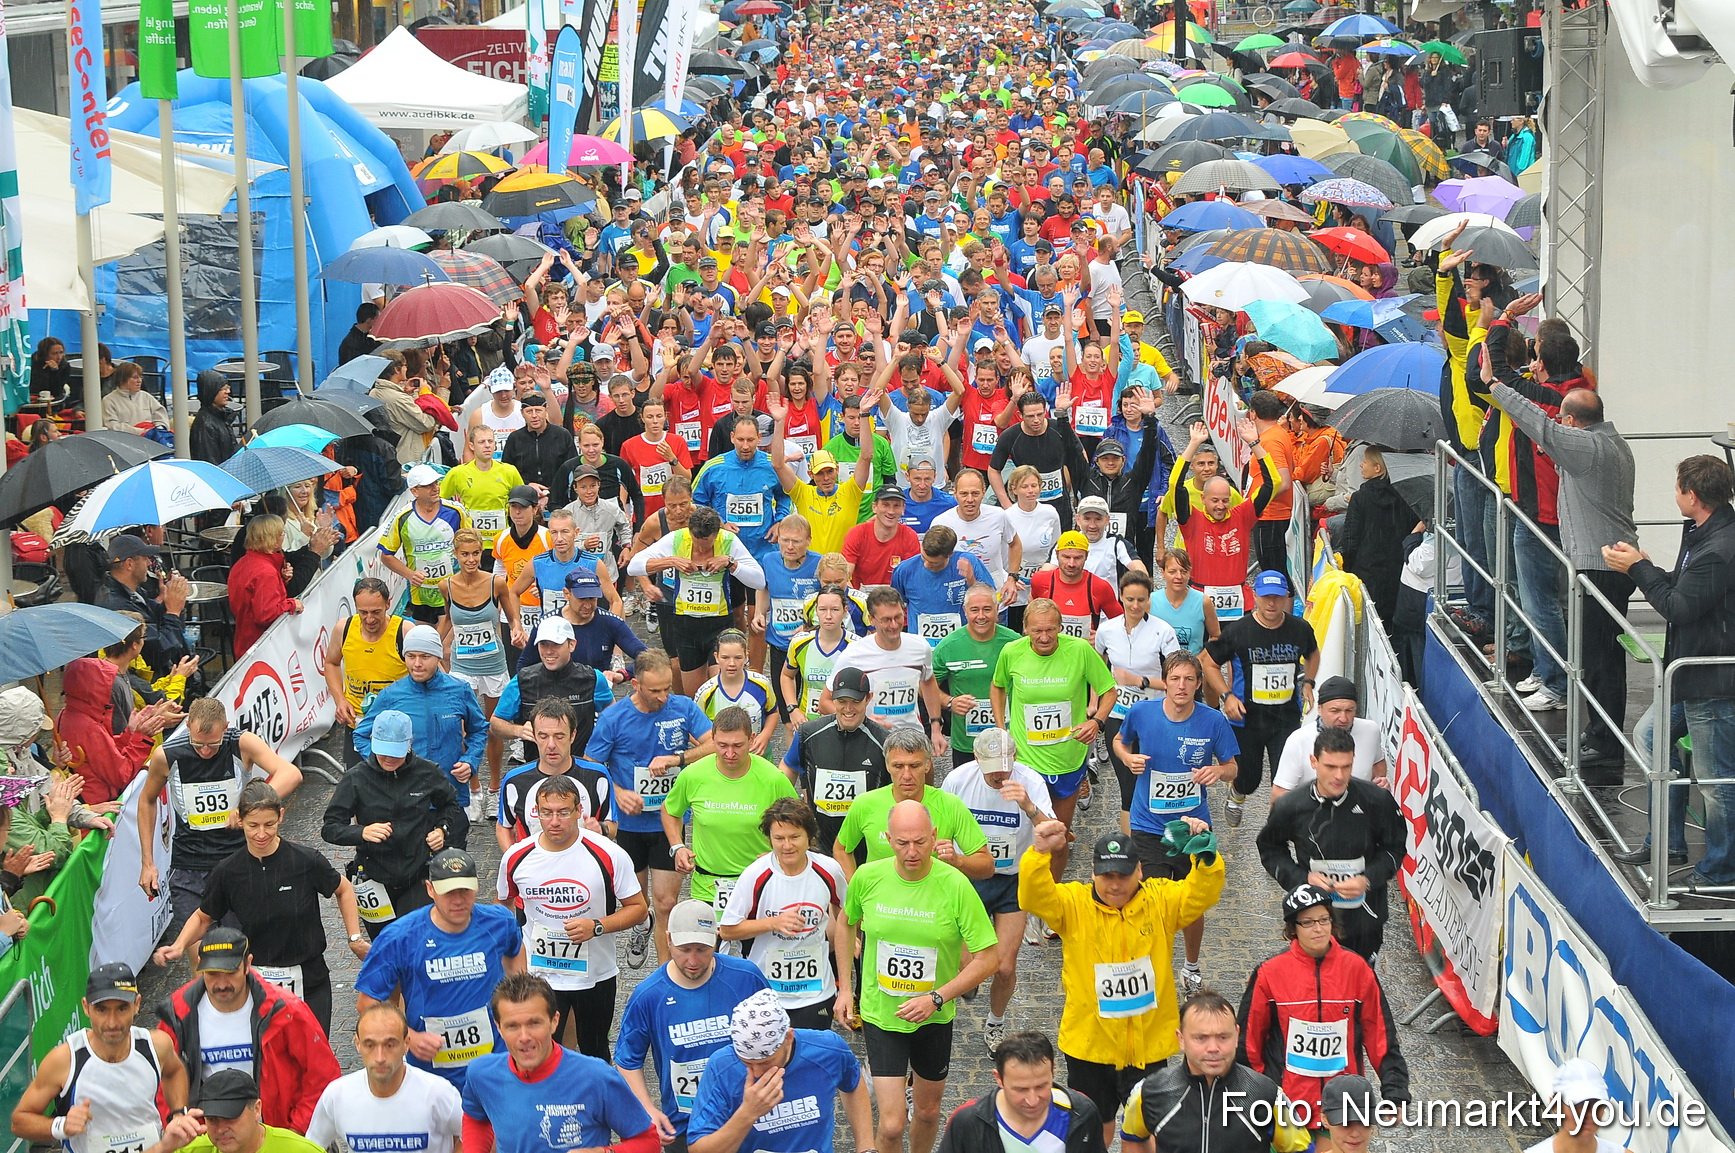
132, 923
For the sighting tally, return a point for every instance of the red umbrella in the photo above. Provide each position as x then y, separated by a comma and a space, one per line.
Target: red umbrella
1291, 60
758, 8
434, 313
1352, 243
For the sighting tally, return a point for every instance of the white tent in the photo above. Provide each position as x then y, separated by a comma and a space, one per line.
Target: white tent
401, 84
515, 17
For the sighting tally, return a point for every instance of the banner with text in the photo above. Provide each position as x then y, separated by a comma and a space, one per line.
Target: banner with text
159, 68
91, 163
497, 53
14, 318
1559, 1001
132, 924
675, 38
601, 63
208, 30
565, 92
54, 956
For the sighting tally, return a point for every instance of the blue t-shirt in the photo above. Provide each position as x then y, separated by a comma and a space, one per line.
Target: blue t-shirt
577, 1105
682, 1027
920, 514
820, 1065
1166, 790
788, 588
935, 600
627, 740
446, 976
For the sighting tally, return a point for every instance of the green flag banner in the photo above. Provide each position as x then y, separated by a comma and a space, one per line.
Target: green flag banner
54, 957
312, 29
158, 68
208, 26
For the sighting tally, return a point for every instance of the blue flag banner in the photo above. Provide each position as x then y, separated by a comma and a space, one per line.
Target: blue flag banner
565, 91
87, 85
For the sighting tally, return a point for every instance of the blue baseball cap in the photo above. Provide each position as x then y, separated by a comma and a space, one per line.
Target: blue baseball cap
1270, 583
581, 583
391, 734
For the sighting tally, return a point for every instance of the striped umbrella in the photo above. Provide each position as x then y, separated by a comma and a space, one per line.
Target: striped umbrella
482, 273
1136, 50
158, 492
1231, 175
1277, 247
648, 124
1428, 155
458, 166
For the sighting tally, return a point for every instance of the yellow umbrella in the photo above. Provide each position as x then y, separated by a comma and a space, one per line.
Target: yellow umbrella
1372, 118
459, 166
648, 124
1135, 50
1427, 153
1316, 139
532, 178
1163, 39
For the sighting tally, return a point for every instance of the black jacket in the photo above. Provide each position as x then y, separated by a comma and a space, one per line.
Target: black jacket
355, 343
213, 438
1184, 1113
1125, 491
975, 1126
1698, 601
1364, 822
538, 456
1374, 530
415, 800
165, 632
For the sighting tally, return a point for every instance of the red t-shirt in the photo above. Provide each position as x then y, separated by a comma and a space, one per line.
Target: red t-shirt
874, 559
981, 436
686, 416
649, 467
1082, 605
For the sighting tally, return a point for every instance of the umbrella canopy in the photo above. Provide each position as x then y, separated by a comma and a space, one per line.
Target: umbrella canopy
1291, 59
1308, 386
548, 192
479, 272
1293, 106
687, 110
1488, 194
1068, 11
1391, 366
1275, 247
648, 124
1352, 244
453, 215
1428, 155
305, 437
1203, 215
1496, 246
1287, 168
1219, 125
1343, 190
356, 375
1144, 102
1275, 87
586, 152
392, 236
1292, 328
1316, 140
1525, 213
68, 465
319, 411
489, 136
37, 640
715, 64
158, 492
1396, 418
1180, 156
1383, 141
1430, 235
276, 466
1258, 40
1389, 47
518, 255
433, 313
1389, 316
1414, 213
1237, 285
1225, 175
1478, 162
383, 265
1269, 209
1137, 50
1101, 69
1361, 26
1450, 53
1325, 290
1301, 7
1209, 96
447, 166
1374, 171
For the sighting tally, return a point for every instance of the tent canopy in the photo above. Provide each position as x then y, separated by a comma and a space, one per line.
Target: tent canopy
401, 84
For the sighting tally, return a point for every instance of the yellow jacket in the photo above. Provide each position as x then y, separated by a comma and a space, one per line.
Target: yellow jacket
1093, 933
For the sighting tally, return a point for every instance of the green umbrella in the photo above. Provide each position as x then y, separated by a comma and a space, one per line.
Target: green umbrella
1260, 40
1377, 140
1206, 96
1450, 53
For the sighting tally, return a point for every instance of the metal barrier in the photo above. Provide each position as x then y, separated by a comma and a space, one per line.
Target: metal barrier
18, 1067
1579, 591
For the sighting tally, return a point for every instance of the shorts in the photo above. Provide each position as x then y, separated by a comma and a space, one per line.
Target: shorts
1063, 786
926, 1052
647, 850
696, 639
491, 685
816, 1016
1151, 853
665, 622
999, 893
427, 614
1107, 1086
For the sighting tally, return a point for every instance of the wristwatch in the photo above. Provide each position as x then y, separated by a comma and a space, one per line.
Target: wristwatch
939, 999
677, 848
354, 937
598, 931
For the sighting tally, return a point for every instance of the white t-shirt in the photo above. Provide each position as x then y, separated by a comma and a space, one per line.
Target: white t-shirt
1038, 531
1603, 1145
895, 676
988, 538
926, 441
1104, 554
798, 968
1140, 651
1295, 768
1102, 275
1008, 830
1114, 218
425, 1113
1036, 353
226, 1039
555, 886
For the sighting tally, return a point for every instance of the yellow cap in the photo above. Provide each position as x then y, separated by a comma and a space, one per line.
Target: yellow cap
1073, 539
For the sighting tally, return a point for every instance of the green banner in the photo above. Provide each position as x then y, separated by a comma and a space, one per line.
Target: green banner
312, 29
158, 67
208, 26
54, 955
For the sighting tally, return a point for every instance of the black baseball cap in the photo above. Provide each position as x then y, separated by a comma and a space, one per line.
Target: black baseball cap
766, 329
222, 951
523, 494
889, 492
850, 684
1113, 854
112, 982
126, 547
227, 1093
451, 869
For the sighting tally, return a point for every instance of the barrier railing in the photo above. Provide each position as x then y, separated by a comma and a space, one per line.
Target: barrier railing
17, 1066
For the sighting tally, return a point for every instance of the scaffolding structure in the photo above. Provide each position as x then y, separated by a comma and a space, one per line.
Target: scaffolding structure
1572, 129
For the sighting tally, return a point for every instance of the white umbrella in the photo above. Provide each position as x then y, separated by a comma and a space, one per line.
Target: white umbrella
486, 137
157, 492
1307, 386
1165, 122
392, 236
1429, 235
1235, 284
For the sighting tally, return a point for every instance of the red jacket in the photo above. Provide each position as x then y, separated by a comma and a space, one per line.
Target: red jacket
1535, 480
292, 1060
257, 595
107, 762
1338, 988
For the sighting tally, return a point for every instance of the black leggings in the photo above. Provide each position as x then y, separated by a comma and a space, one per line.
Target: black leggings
1122, 774
594, 1010
779, 661
1261, 742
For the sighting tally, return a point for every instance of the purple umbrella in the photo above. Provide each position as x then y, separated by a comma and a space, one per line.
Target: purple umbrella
1488, 194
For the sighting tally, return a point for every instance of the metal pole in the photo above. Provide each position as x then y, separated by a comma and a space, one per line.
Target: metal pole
90, 364
172, 277
1181, 29
244, 222
1500, 576
1575, 609
297, 209
1444, 459
1662, 740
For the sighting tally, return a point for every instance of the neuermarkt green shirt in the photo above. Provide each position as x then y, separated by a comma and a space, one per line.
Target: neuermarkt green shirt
725, 814
964, 667
870, 813
1048, 697
912, 932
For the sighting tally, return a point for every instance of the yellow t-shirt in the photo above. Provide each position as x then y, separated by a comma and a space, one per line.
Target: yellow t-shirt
831, 517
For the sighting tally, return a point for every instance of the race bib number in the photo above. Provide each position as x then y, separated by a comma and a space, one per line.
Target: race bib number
1048, 724
798, 969
1173, 792
835, 790
1317, 1048
436, 567
1076, 627
702, 595
133, 1141
463, 1037
487, 521
1090, 420
1125, 988
1272, 684
907, 970
283, 976
936, 627
745, 510
684, 1077
373, 902
652, 479
476, 640
1226, 599
653, 787
807, 444
785, 614
980, 718
1051, 486
1126, 696
721, 888
692, 432
1118, 523
209, 804
553, 602
1002, 846
528, 617
895, 700
552, 951
1337, 871
985, 438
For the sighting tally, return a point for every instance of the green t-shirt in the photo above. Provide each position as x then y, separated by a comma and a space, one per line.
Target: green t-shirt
885, 469
725, 814
964, 666
870, 813
912, 932
276, 1141
1047, 697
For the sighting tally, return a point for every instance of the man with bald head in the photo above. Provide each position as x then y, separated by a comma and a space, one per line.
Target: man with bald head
915, 915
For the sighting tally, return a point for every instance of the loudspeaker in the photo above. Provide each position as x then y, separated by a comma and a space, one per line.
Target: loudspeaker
1509, 71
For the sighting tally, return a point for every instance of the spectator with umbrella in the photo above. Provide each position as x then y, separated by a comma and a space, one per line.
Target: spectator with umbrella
413, 424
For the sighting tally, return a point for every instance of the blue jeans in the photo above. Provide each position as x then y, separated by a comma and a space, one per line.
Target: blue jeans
1711, 722
1473, 504
1541, 590
1644, 733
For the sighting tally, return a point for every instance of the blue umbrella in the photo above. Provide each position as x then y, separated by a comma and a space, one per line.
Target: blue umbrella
1361, 25
35, 640
1289, 169
1294, 329
157, 492
276, 466
307, 437
1204, 215
1405, 366
357, 375
383, 266
687, 111
1385, 316
1195, 261
1301, 7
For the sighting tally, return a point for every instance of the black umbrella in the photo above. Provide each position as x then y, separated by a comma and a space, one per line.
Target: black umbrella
1180, 156
1109, 91
1275, 87
716, 64
1293, 106
534, 201
1526, 213
519, 255
68, 465
1105, 66
1372, 170
1396, 418
1413, 213
322, 412
1220, 126
452, 215
325, 67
